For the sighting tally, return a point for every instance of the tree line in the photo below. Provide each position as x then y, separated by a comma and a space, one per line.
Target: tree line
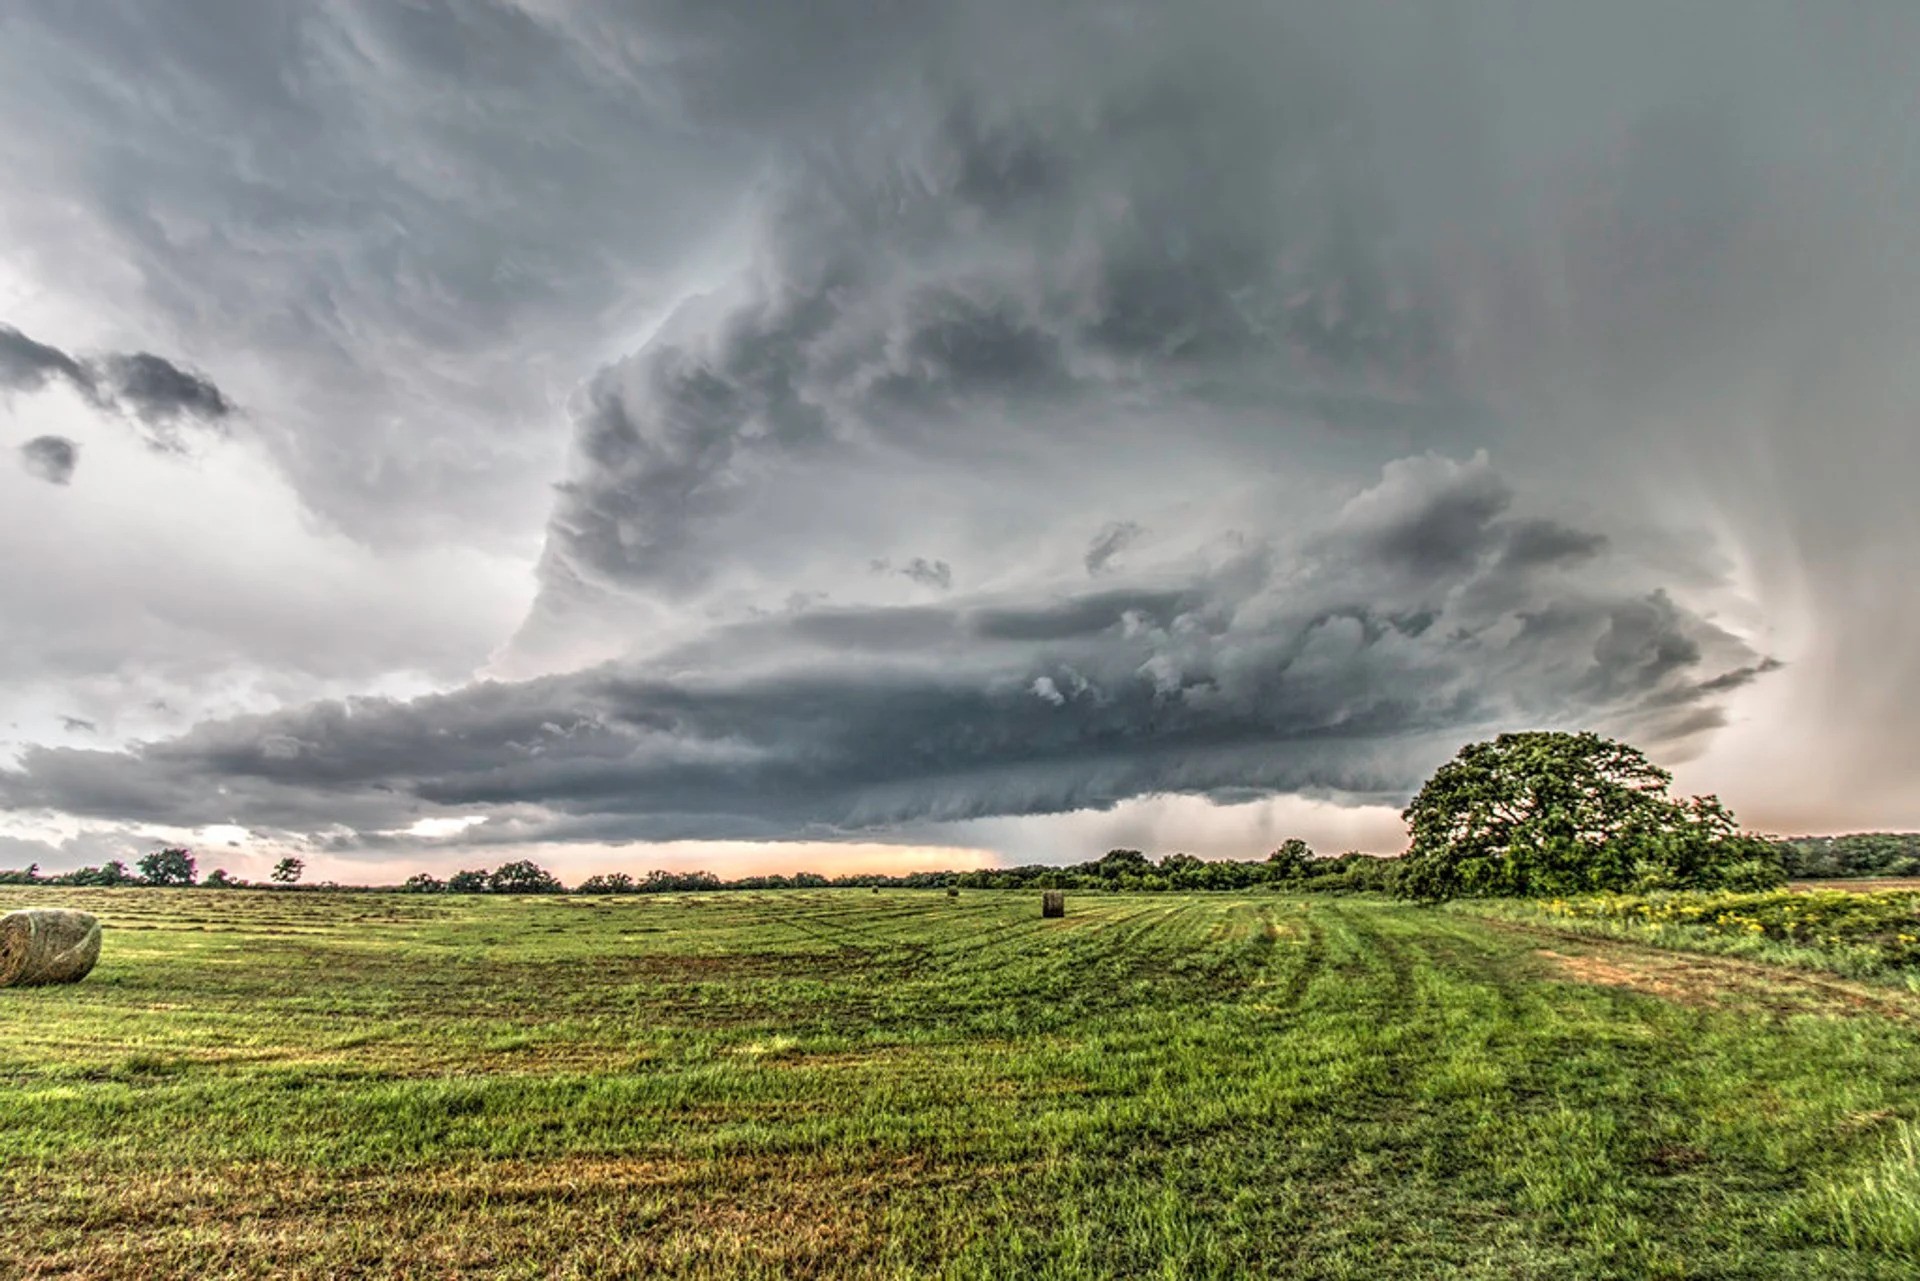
1854, 855
1522, 815
1293, 864
173, 866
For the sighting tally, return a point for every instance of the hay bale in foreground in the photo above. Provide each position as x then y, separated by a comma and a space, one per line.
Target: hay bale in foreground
47, 945
1053, 903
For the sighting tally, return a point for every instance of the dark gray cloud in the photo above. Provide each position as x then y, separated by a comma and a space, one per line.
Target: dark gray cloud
1431, 518
827, 722
160, 392
27, 365
151, 388
928, 573
1089, 615
1113, 538
1727, 682
1537, 543
936, 574
982, 282
51, 458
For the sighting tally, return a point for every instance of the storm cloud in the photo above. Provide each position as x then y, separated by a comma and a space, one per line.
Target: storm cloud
26, 365
154, 391
160, 392
892, 415
1342, 675
51, 458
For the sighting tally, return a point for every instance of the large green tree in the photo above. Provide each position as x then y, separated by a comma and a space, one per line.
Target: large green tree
1554, 813
524, 877
172, 866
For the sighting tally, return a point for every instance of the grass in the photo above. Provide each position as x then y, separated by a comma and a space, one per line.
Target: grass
838, 1083
1857, 933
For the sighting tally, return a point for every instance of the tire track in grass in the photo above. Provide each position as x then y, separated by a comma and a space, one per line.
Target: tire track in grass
1304, 965
1025, 973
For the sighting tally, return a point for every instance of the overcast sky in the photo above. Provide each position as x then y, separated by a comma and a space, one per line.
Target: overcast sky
896, 434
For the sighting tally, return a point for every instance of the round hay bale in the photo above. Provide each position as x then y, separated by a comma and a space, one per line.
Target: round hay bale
952, 893
47, 945
1053, 903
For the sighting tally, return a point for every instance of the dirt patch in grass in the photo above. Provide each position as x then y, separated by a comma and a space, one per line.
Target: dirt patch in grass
1702, 981
1641, 978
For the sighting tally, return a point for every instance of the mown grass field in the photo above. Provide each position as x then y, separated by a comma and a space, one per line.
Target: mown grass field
839, 1083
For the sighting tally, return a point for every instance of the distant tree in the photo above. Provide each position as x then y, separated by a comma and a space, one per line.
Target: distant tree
219, 880
1857, 854
467, 882
114, 872
1180, 871
659, 881
1353, 873
29, 875
1124, 870
1293, 861
287, 871
424, 883
524, 877
607, 883
1552, 813
172, 866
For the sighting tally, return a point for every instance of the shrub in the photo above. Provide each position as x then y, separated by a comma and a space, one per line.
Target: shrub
1886, 924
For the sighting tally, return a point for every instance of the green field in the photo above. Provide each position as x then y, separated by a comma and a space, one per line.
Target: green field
839, 1083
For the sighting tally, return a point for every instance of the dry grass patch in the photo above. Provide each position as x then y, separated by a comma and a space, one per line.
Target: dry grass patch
1702, 981
572, 1217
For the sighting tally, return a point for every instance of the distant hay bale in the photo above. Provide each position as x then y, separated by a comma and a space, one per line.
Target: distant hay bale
1053, 903
47, 945
952, 893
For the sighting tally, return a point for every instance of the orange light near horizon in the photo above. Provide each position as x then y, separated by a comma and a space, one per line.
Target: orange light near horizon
728, 860
765, 858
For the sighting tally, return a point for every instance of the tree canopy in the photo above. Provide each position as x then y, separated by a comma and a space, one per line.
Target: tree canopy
523, 877
1542, 813
173, 866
